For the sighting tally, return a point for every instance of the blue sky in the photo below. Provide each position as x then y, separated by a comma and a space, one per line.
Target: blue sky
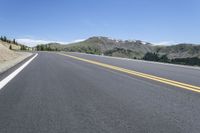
158, 21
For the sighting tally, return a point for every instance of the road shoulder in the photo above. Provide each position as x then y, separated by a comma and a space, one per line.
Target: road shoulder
5, 65
11, 66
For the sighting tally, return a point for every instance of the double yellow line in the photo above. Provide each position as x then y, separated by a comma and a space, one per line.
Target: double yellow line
139, 74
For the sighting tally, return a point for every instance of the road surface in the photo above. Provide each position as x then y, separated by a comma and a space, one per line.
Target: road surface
61, 94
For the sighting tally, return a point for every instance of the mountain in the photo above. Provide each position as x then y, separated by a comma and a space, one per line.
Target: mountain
128, 48
112, 47
132, 48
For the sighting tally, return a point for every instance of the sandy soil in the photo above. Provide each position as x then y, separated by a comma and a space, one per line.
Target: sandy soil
9, 58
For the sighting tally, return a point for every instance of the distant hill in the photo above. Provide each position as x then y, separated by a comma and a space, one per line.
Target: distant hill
129, 48
112, 47
135, 48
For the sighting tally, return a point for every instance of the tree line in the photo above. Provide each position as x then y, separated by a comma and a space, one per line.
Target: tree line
84, 49
45, 48
5, 39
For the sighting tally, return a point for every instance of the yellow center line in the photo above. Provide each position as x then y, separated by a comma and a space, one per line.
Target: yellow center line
139, 74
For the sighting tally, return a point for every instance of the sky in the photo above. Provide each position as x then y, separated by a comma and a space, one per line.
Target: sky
156, 21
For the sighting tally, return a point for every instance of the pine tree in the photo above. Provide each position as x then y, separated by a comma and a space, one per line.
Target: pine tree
23, 47
14, 41
4, 39
10, 47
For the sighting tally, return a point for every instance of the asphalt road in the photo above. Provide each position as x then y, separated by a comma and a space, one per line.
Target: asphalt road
59, 94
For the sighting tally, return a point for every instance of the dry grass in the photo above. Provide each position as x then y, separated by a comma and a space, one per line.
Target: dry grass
14, 46
9, 58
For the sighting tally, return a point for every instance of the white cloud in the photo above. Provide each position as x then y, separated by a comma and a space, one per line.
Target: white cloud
32, 42
78, 40
165, 43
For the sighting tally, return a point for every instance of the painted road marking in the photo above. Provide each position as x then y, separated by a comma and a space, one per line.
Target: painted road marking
13, 74
139, 74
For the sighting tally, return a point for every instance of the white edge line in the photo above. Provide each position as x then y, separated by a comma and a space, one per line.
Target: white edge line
151, 62
13, 74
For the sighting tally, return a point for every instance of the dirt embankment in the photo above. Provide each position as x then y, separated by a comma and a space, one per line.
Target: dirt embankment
9, 58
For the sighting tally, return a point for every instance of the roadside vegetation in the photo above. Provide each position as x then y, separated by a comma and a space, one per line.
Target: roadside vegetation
121, 52
45, 48
84, 49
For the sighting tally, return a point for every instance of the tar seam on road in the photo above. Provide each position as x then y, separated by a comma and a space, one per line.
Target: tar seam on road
13, 74
139, 74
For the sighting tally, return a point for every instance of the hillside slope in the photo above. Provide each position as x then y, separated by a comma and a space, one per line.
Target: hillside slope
6, 54
14, 46
180, 51
9, 58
